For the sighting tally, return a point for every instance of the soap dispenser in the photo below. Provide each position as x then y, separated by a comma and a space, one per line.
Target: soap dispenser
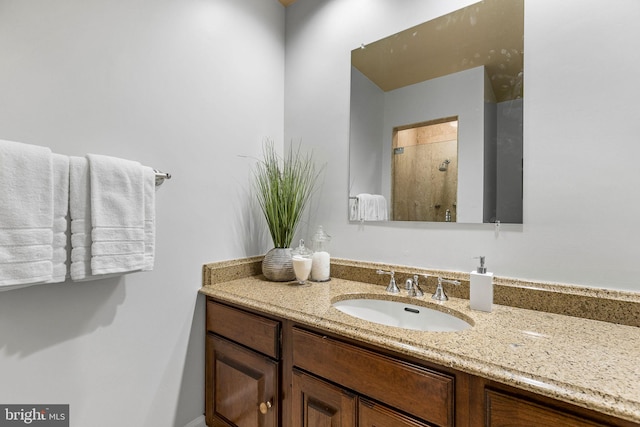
481, 292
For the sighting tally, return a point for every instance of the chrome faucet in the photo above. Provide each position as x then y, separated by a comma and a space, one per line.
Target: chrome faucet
413, 287
391, 287
439, 295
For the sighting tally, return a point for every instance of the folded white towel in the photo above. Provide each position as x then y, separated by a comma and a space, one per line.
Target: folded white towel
363, 202
80, 213
353, 209
371, 207
26, 214
381, 211
117, 214
60, 217
149, 218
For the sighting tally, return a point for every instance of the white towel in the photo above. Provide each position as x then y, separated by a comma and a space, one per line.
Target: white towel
381, 211
361, 199
80, 213
149, 218
117, 215
60, 217
371, 207
26, 214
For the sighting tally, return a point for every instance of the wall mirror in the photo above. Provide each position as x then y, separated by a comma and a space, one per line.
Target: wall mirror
436, 120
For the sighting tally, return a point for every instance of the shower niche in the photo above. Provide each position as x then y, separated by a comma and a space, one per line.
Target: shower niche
424, 171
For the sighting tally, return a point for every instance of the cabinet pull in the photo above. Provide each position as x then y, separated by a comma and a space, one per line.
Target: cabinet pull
264, 407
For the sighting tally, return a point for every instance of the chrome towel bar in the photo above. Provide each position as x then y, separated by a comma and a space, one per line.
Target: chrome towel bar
161, 176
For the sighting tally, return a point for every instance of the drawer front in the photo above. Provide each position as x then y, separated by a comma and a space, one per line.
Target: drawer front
421, 392
504, 410
373, 415
253, 331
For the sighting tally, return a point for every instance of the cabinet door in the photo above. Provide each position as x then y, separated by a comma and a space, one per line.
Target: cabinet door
504, 410
242, 386
374, 415
318, 404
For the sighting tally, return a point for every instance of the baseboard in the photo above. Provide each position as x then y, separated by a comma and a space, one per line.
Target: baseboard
198, 422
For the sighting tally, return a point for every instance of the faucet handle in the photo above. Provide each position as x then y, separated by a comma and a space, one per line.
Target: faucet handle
439, 295
392, 287
452, 282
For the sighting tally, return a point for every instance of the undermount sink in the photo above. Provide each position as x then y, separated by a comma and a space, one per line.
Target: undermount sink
401, 315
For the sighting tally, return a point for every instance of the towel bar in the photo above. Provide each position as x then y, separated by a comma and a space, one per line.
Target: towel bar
161, 176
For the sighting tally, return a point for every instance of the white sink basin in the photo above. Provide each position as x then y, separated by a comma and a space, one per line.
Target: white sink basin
401, 315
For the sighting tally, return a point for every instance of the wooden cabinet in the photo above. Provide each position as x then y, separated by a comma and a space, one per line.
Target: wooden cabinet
319, 404
504, 410
263, 371
242, 371
243, 389
371, 414
504, 406
421, 392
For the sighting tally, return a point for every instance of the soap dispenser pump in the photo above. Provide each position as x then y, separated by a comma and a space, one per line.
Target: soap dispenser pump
481, 288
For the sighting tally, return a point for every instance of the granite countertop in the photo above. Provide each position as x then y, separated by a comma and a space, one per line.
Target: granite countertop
590, 363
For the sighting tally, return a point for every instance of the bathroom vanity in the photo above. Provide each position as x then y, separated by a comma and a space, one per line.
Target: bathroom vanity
278, 354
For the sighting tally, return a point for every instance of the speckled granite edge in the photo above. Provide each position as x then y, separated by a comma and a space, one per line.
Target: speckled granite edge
589, 303
225, 271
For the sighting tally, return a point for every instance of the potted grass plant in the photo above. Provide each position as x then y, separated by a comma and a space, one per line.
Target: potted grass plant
283, 188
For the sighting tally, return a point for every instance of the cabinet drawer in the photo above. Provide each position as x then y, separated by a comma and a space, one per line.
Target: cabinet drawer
504, 410
256, 332
373, 415
424, 393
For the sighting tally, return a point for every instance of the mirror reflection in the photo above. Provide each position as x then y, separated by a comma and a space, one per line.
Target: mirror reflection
424, 173
462, 71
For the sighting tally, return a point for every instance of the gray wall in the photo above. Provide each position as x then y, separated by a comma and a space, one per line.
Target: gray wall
581, 127
185, 86
365, 154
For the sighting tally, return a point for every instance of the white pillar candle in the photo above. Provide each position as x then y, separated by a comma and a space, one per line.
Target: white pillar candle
321, 266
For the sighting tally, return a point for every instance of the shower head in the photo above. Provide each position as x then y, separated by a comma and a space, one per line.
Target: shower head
444, 166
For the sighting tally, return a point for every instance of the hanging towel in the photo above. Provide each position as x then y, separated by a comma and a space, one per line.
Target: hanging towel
60, 217
381, 211
353, 208
26, 214
149, 218
117, 215
80, 213
365, 207
371, 207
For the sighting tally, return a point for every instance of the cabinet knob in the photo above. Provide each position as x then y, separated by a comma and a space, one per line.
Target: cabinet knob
264, 407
